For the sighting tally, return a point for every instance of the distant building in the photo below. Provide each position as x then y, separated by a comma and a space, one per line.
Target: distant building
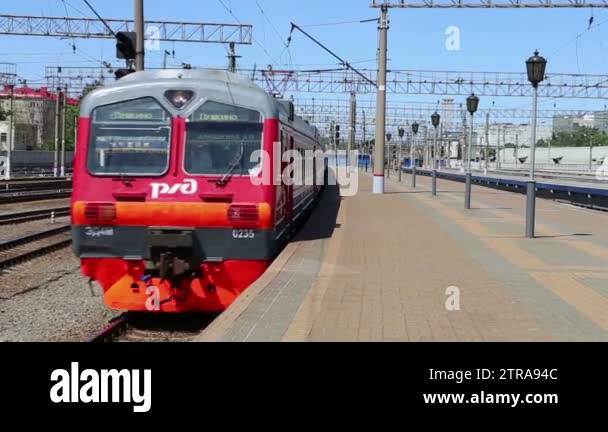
34, 117
509, 134
596, 120
450, 119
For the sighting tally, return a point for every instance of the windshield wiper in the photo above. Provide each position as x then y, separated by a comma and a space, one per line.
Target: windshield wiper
223, 182
124, 178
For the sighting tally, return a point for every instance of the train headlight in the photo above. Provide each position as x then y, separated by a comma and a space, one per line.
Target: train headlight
179, 98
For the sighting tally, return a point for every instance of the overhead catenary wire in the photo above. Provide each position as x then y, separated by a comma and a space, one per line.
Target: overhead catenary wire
100, 18
332, 24
262, 47
340, 59
69, 25
72, 45
265, 15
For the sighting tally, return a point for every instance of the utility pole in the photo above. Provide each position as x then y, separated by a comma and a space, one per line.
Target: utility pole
427, 140
463, 150
75, 131
139, 30
550, 144
11, 129
332, 139
63, 131
444, 148
504, 141
353, 126
498, 152
165, 55
56, 147
591, 153
516, 149
365, 145
487, 143
381, 104
232, 58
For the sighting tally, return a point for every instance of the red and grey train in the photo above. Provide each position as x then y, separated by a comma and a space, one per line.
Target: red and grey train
169, 212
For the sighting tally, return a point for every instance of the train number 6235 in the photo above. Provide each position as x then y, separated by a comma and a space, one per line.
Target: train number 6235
243, 234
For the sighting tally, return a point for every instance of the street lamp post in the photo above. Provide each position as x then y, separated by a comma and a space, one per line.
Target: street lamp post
536, 66
401, 132
435, 120
415, 129
389, 137
472, 105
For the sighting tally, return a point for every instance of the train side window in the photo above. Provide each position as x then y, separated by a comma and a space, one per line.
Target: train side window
130, 138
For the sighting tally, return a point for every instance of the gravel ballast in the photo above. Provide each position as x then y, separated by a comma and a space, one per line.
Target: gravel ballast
47, 299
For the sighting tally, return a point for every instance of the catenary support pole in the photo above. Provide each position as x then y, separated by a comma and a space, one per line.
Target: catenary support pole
381, 104
140, 39
56, 147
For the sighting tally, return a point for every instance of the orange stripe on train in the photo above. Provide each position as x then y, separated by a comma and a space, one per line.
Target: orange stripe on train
217, 215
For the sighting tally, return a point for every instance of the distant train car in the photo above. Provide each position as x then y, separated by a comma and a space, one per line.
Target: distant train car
169, 210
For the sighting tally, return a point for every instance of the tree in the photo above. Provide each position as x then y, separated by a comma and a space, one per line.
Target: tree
89, 88
70, 116
4, 114
72, 113
581, 137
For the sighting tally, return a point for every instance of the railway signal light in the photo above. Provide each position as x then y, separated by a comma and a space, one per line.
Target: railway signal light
122, 73
125, 45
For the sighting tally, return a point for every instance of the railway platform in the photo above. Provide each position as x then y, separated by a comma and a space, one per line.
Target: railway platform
582, 190
406, 266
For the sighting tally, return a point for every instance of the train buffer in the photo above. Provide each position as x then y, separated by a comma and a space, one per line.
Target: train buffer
406, 266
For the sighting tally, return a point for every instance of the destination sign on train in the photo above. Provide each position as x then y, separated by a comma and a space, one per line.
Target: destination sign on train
132, 115
216, 112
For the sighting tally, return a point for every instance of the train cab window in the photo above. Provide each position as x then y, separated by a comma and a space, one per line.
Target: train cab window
223, 139
130, 138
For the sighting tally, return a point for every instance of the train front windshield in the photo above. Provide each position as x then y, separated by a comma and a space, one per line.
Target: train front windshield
223, 139
130, 138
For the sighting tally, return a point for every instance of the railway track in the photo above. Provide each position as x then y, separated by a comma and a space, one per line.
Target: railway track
138, 327
33, 215
30, 246
39, 195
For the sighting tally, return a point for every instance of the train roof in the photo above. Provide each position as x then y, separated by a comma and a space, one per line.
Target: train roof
217, 85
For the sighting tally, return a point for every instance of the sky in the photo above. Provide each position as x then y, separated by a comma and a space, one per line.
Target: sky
491, 40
